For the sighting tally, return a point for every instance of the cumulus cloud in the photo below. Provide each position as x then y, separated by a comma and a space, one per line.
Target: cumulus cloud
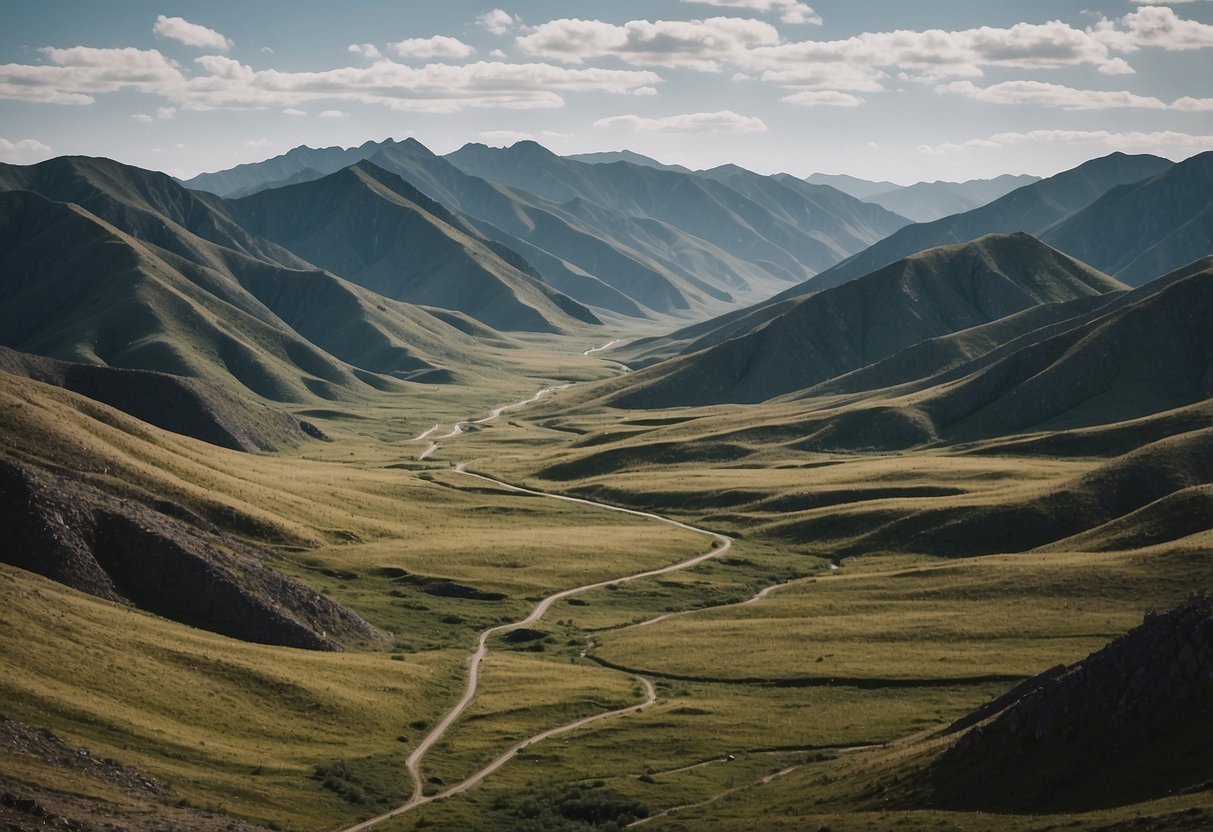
1193, 104
937, 52
366, 50
292, 111
1057, 96
1157, 26
822, 98
836, 76
24, 152
78, 75
498, 21
331, 114
191, 34
790, 11
1129, 141
725, 121
687, 44
439, 46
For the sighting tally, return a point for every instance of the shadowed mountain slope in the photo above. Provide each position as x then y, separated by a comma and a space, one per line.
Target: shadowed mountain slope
284, 334
936, 292
148, 205
1032, 208
586, 249
1139, 231
804, 232
929, 201
182, 405
89, 520
1139, 354
124, 551
1135, 719
853, 185
375, 229
254, 176
1135, 495
608, 157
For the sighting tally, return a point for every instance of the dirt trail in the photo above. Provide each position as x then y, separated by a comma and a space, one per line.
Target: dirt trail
720, 544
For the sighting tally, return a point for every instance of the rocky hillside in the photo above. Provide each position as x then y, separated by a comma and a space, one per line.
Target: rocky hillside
1130, 722
162, 558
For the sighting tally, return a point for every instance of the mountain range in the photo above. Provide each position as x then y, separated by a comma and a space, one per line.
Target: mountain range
240, 417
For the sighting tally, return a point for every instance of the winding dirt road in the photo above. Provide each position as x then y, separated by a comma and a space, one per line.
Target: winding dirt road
720, 544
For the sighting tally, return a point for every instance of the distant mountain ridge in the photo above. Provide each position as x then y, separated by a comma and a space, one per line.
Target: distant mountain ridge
926, 201
1032, 208
621, 233
385, 235
610, 157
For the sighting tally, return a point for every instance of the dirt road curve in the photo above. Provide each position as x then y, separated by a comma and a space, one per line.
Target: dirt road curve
720, 544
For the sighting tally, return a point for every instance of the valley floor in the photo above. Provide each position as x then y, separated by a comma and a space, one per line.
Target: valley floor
712, 640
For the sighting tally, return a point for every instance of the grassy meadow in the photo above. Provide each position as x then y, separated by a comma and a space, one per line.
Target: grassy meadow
843, 653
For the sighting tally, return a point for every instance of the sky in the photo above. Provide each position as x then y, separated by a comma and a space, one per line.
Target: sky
903, 90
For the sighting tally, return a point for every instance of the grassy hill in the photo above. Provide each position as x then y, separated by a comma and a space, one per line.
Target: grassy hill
284, 334
187, 406
936, 292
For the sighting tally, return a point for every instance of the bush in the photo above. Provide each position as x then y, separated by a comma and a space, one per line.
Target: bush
566, 808
337, 778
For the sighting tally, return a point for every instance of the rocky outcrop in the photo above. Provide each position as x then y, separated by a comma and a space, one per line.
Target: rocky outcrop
1131, 722
165, 560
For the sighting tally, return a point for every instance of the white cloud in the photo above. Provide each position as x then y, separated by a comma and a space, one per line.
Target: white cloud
1041, 94
834, 76
165, 113
498, 21
258, 143
191, 34
143, 117
78, 74
725, 121
790, 11
366, 50
439, 88
1192, 104
498, 54
292, 111
1160, 141
439, 46
1157, 26
937, 52
331, 114
24, 152
822, 98
691, 44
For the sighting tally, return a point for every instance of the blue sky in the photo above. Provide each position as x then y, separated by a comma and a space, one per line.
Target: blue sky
883, 89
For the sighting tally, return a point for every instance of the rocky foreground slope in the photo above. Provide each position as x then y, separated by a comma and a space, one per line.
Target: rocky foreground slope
1131, 722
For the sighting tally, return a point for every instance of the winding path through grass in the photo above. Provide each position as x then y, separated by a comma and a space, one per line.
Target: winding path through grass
720, 544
